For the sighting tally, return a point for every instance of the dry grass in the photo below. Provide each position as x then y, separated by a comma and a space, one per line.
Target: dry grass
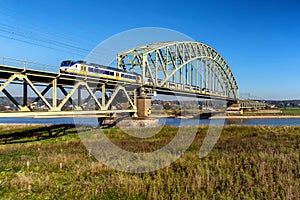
246, 163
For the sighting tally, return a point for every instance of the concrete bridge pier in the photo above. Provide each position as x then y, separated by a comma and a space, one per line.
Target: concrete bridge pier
143, 106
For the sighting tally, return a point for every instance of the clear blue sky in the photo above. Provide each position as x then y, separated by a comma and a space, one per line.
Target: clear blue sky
260, 40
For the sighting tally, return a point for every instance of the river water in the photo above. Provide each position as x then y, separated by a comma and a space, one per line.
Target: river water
162, 121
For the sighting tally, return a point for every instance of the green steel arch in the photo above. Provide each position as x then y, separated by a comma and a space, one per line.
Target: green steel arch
186, 65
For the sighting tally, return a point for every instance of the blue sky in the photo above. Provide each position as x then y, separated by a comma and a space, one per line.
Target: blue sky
260, 40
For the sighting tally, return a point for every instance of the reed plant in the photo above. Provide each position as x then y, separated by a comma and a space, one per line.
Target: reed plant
246, 163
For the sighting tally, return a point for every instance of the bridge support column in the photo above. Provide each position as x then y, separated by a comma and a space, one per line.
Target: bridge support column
143, 106
79, 97
25, 93
54, 94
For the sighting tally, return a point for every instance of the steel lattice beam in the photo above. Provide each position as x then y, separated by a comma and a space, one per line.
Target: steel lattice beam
90, 86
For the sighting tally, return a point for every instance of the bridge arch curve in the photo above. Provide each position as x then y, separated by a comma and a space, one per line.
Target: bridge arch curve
184, 65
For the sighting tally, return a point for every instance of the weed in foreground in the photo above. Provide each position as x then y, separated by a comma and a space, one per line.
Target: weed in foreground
247, 162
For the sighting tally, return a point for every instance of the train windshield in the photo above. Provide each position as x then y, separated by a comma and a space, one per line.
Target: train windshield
66, 63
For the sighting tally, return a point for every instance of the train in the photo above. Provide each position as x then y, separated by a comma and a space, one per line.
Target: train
95, 70
91, 69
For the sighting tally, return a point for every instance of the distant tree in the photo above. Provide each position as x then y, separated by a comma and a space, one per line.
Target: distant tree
167, 106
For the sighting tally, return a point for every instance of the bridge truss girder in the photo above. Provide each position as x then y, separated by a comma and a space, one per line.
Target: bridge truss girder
185, 63
103, 105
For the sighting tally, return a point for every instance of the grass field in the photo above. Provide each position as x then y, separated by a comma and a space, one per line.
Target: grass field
291, 111
246, 163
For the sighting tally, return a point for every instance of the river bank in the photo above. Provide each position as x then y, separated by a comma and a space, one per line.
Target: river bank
257, 117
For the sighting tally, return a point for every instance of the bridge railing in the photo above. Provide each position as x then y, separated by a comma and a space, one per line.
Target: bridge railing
5, 61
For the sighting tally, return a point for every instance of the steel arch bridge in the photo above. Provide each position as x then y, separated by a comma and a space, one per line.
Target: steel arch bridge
185, 66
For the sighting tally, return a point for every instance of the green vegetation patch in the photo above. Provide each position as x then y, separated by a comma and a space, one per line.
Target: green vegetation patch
291, 111
246, 163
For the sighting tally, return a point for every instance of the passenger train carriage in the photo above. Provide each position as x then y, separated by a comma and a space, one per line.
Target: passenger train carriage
91, 69
96, 70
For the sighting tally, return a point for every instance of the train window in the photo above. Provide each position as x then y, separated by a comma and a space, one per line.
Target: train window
122, 75
65, 63
111, 73
105, 72
90, 69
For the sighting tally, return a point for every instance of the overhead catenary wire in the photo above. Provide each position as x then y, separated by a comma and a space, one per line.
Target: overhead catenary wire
62, 41
52, 46
36, 37
33, 26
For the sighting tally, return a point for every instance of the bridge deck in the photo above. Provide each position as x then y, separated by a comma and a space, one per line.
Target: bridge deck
36, 78
44, 77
